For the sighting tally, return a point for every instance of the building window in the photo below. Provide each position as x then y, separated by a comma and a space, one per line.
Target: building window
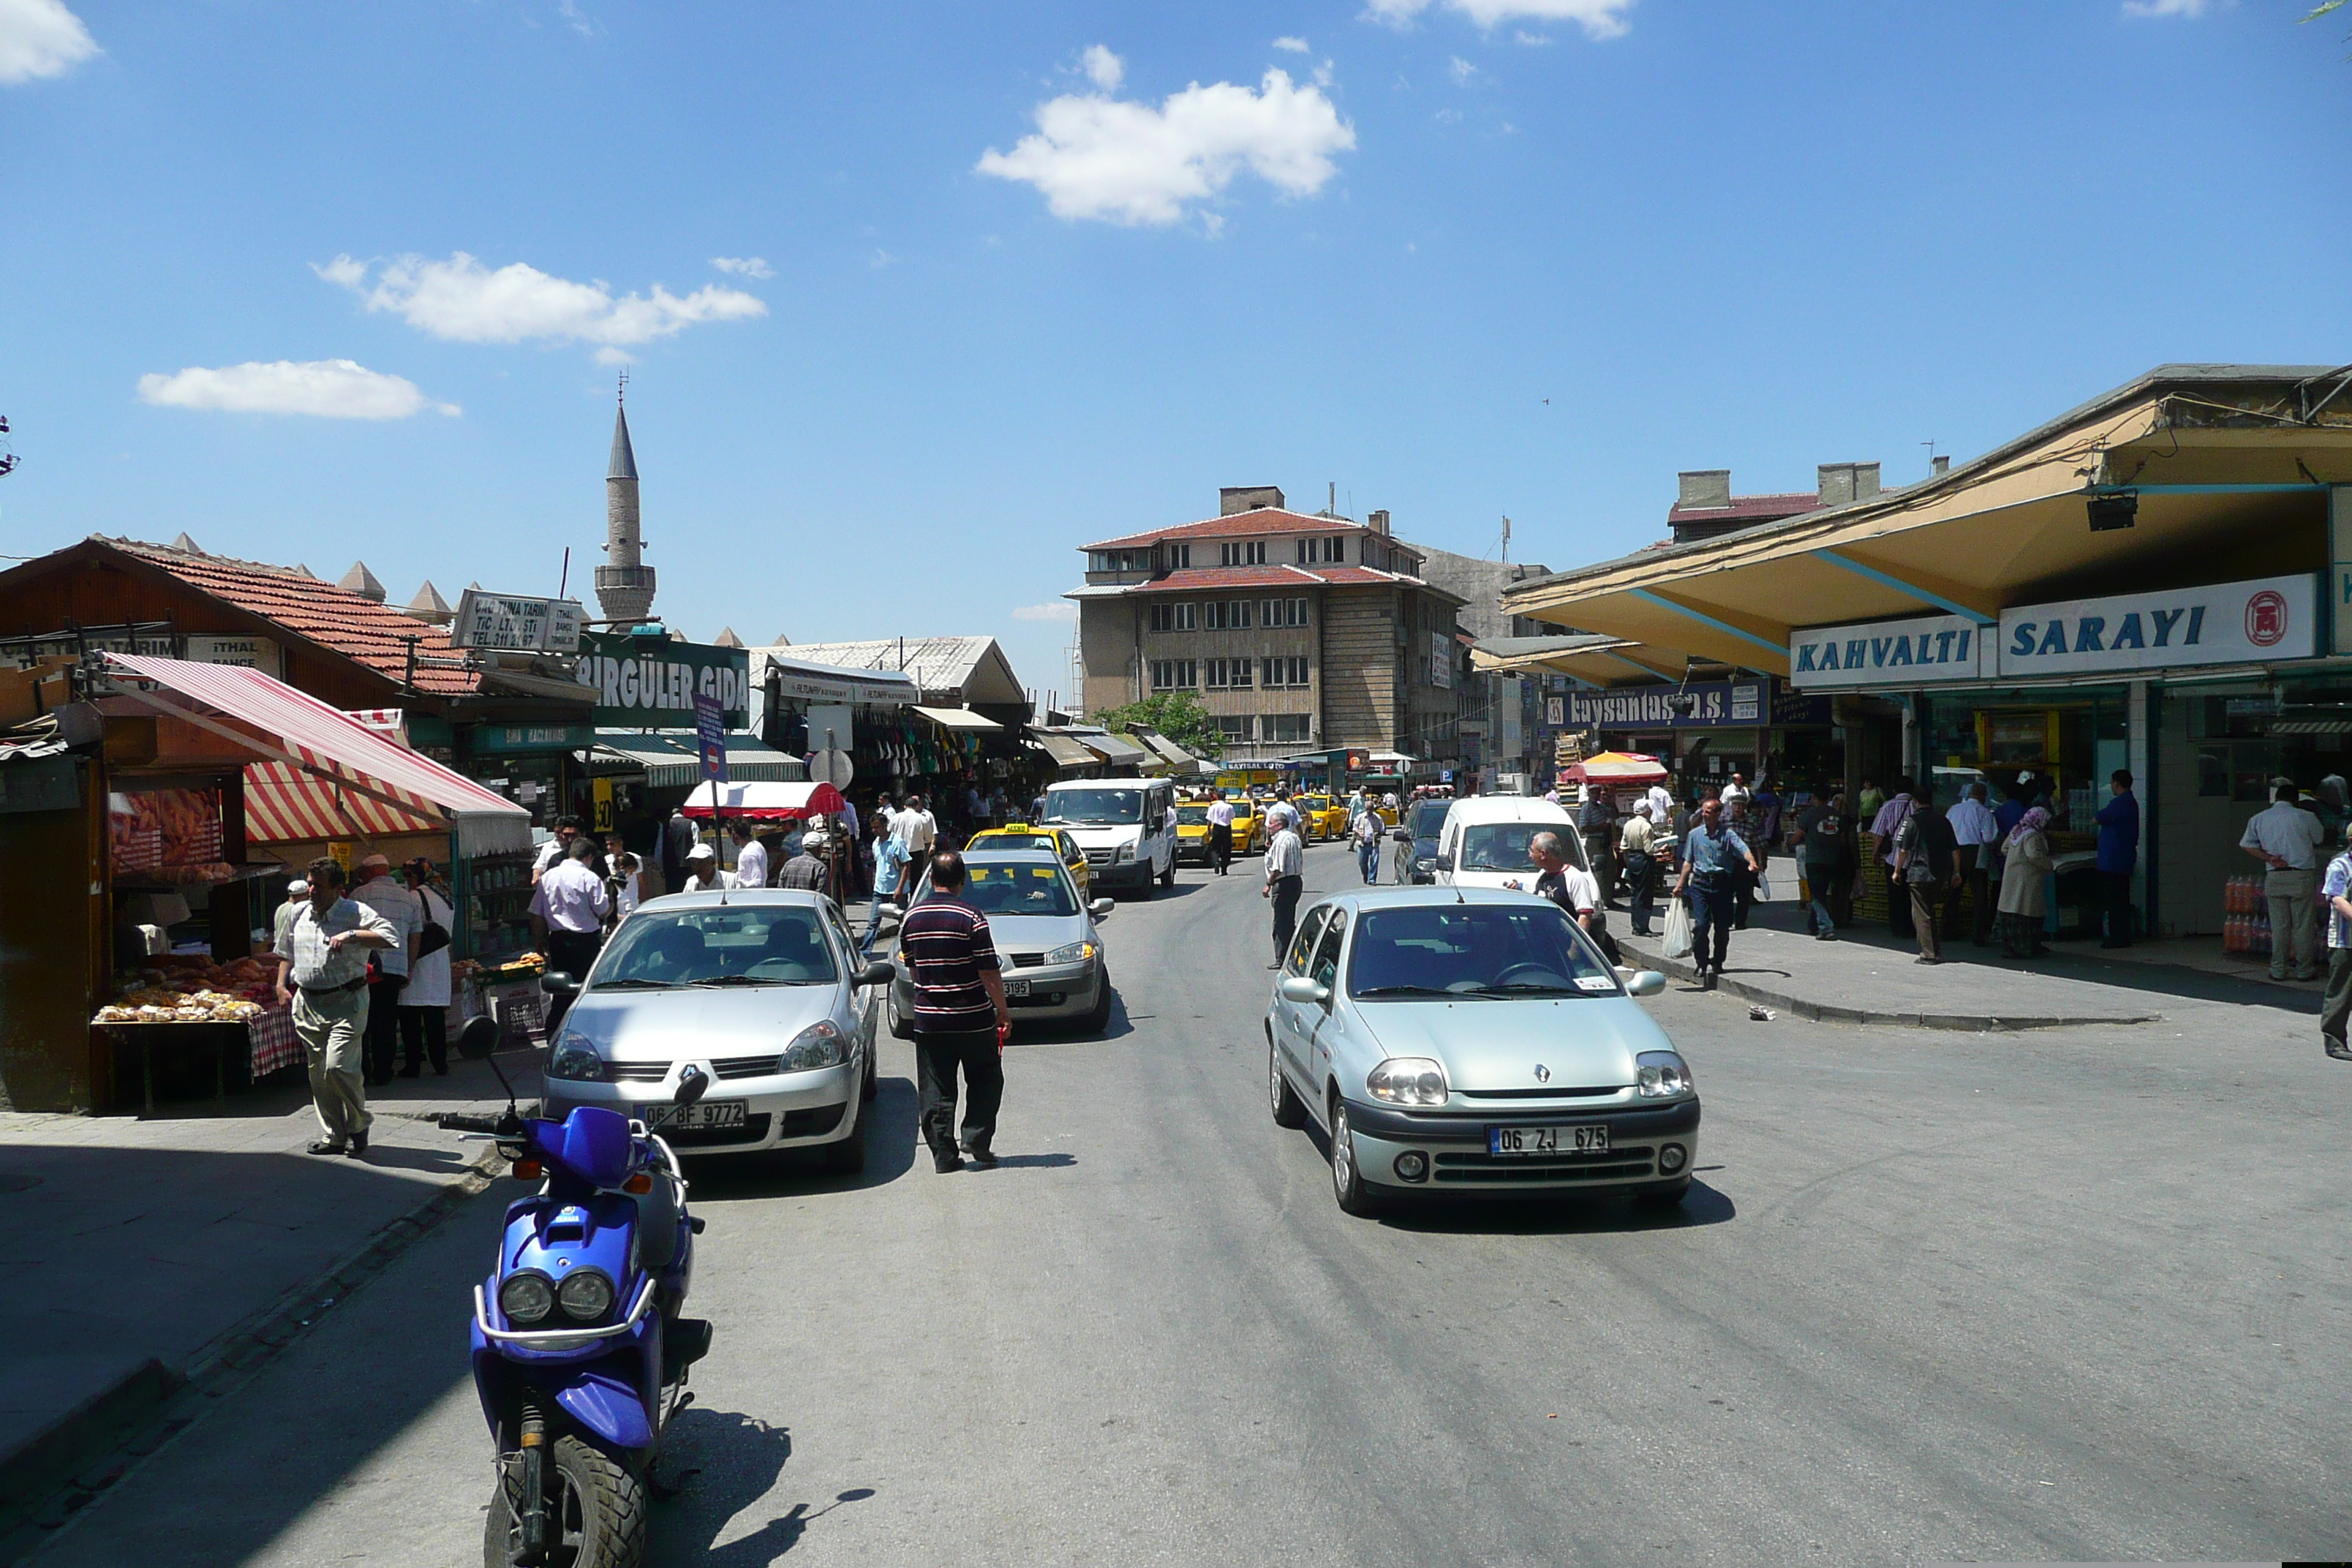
1177, 615
1312, 552
1239, 610
1242, 553
1227, 673
1174, 674
1234, 726
1282, 611
1225, 614
1290, 727
1285, 672
1118, 560
1179, 555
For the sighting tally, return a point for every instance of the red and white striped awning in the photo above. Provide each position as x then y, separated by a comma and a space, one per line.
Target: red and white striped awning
331, 776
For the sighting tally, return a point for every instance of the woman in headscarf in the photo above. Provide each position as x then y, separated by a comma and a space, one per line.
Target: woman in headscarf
2023, 891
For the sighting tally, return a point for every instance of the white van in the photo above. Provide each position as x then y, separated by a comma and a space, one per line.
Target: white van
1484, 842
1125, 825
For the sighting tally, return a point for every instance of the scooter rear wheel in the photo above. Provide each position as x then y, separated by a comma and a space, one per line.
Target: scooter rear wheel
597, 1512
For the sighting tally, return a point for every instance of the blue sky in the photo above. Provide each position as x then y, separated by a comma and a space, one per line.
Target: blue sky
1031, 275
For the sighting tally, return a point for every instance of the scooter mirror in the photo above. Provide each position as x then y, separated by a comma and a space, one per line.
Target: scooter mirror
478, 1039
691, 1085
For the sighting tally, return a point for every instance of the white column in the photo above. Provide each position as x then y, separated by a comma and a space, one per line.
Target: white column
2140, 756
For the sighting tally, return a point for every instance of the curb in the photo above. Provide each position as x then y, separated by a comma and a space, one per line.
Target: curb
74, 1459
1830, 1013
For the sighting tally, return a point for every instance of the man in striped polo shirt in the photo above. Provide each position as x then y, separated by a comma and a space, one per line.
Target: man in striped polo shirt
958, 1008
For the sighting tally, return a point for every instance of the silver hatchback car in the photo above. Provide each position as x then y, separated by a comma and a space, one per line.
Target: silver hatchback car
1047, 947
1475, 1042
762, 990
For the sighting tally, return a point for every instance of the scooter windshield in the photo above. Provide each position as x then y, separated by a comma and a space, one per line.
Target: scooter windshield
591, 1145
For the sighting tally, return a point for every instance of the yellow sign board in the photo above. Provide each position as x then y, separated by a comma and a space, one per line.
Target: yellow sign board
603, 791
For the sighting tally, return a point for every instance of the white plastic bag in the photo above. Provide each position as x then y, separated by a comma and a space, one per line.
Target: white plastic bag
1678, 929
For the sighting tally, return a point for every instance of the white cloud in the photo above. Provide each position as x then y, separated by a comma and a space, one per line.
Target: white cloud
40, 37
463, 301
1461, 70
581, 22
1094, 156
329, 388
1105, 70
744, 266
1599, 19
880, 258
1060, 610
2166, 7
1296, 46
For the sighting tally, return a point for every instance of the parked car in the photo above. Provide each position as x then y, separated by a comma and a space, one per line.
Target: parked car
1474, 1043
1047, 947
1422, 820
1483, 841
759, 988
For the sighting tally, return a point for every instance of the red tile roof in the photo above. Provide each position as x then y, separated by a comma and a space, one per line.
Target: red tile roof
1265, 520
350, 624
1748, 509
1212, 579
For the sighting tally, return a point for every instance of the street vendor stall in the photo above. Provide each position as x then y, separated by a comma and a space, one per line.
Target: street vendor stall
1622, 778
769, 802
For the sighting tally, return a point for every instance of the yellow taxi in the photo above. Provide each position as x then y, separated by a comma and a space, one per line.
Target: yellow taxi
1020, 835
1249, 826
1192, 829
1320, 818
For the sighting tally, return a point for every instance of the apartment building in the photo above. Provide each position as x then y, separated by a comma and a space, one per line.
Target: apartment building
1298, 632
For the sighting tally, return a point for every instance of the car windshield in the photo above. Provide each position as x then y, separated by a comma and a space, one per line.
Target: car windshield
747, 944
1313, 803
1095, 806
1474, 950
1428, 817
1502, 846
1022, 890
1195, 814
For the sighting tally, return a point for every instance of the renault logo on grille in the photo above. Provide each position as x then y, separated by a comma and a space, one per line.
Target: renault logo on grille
1543, 1073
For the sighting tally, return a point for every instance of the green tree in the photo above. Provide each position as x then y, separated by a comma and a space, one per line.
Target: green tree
1177, 715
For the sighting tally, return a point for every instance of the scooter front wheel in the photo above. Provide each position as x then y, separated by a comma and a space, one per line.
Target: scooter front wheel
596, 1511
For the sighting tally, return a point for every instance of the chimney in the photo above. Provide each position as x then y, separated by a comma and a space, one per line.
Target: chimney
1378, 521
1843, 483
1234, 499
1704, 487
1943, 465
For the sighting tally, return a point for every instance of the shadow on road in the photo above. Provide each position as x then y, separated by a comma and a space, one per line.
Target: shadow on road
728, 1462
891, 1137
1053, 1162
1597, 1214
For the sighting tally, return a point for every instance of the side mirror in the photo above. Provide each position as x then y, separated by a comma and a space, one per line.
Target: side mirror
1445, 862
691, 1085
1648, 983
478, 1039
555, 982
878, 973
1102, 907
1301, 989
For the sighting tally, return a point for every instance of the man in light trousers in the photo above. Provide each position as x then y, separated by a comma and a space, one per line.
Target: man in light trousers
2286, 839
322, 972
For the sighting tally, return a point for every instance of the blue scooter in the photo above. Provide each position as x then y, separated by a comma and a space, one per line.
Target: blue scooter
580, 1344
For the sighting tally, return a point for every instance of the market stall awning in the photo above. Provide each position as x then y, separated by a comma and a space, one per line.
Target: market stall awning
769, 802
1068, 753
670, 758
958, 718
1619, 768
1176, 756
1117, 749
323, 774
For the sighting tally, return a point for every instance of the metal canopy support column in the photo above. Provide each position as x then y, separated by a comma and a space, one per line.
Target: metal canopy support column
1924, 595
2140, 756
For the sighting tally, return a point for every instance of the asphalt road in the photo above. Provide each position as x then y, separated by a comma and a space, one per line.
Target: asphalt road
2078, 1295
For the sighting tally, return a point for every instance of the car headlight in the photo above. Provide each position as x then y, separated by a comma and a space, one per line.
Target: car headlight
575, 1058
1661, 1074
1076, 952
585, 1294
1124, 852
821, 1045
1408, 1080
526, 1298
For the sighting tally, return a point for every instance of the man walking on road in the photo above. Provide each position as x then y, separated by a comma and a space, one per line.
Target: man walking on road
806, 870
1366, 830
959, 1014
1596, 824
1221, 833
1975, 832
1286, 871
1821, 840
1924, 857
322, 975
2287, 838
2336, 1006
678, 841
1636, 854
1573, 887
397, 905
1712, 854
917, 831
567, 917
750, 856
2118, 853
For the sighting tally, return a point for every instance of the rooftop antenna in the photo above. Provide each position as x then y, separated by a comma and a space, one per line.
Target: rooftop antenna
1930, 445
1506, 538
1331, 500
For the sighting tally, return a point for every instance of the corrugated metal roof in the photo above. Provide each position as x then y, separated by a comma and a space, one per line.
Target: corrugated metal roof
936, 664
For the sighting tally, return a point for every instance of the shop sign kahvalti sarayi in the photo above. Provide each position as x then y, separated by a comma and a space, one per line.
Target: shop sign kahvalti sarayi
1921, 650
2228, 623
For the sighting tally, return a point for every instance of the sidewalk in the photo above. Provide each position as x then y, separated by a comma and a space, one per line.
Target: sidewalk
1866, 976
146, 1257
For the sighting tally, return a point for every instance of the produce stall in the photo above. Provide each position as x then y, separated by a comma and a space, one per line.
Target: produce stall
229, 1011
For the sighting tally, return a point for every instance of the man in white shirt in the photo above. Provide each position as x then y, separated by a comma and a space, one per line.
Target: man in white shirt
916, 829
750, 856
702, 872
1660, 805
567, 917
1735, 793
1221, 833
1286, 871
552, 853
401, 910
2287, 838
1976, 833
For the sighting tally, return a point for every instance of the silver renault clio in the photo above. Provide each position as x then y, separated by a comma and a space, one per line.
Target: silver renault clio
1047, 945
1473, 1042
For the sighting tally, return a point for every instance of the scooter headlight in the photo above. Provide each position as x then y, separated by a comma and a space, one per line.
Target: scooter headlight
585, 1294
526, 1298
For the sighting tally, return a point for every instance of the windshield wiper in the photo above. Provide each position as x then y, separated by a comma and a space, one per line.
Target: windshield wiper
1417, 990
747, 980
1532, 989
633, 984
